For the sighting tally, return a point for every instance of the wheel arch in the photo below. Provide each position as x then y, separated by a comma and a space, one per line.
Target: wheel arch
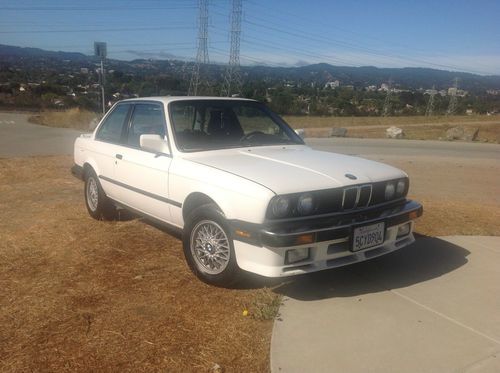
88, 166
195, 200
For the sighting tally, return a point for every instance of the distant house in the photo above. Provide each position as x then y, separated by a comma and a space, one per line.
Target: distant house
384, 87
332, 84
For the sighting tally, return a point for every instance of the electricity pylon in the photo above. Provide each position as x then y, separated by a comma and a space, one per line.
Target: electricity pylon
387, 102
430, 104
232, 81
452, 106
202, 54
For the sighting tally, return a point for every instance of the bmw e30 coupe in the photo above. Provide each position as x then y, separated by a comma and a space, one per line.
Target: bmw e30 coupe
242, 187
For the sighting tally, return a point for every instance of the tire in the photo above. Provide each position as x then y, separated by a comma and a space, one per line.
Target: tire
98, 204
208, 247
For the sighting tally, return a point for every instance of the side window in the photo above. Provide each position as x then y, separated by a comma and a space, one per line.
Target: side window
111, 129
147, 119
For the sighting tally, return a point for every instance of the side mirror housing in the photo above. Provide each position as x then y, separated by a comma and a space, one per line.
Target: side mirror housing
154, 143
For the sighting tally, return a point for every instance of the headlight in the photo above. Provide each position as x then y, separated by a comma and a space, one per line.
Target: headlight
305, 204
280, 207
400, 188
390, 189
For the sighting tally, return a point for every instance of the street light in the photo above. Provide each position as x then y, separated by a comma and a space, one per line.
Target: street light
100, 50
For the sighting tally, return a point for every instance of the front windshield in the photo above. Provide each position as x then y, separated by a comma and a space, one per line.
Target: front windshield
217, 124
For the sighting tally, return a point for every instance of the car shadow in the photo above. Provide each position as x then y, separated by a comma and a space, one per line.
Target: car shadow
427, 258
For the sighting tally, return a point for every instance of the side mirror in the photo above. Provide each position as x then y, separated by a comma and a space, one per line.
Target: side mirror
154, 143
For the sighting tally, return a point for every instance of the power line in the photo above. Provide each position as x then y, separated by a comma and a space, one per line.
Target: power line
99, 9
100, 30
232, 82
280, 12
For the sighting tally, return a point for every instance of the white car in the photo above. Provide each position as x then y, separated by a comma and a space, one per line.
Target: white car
242, 187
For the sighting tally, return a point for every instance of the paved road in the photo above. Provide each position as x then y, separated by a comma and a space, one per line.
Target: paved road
430, 307
20, 138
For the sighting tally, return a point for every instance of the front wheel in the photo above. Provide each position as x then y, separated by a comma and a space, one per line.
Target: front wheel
208, 246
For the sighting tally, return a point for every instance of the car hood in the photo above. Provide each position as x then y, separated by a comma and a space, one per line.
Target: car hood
291, 169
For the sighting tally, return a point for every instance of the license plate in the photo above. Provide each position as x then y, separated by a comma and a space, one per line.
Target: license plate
367, 236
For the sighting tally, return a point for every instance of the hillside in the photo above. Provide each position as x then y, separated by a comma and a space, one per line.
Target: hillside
408, 77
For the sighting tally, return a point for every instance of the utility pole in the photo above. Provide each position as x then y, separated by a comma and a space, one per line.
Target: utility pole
232, 81
202, 54
430, 104
452, 106
100, 50
387, 102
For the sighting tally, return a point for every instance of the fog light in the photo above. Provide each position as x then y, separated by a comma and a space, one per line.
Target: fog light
404, 230
296, 255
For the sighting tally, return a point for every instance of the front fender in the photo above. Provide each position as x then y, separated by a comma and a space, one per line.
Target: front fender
237, 197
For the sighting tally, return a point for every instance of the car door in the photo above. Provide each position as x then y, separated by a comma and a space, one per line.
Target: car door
141, 174
108, 142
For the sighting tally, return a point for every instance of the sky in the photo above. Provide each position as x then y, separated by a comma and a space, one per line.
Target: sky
443, 34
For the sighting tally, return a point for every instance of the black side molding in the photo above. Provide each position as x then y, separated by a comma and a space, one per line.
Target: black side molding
140, 191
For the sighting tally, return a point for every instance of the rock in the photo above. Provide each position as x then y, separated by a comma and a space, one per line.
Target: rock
394, 133
300, 132
455, 133
462, 133
338, 132
471, 134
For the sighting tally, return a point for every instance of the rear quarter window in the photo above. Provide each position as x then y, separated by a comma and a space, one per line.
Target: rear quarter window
112, 128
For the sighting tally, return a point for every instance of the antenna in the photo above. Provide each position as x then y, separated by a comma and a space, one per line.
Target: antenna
387, 102
202, 54
430, 104
232, 81
452, 106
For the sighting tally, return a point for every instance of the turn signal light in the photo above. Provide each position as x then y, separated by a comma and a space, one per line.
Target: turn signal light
304, 239
241, 233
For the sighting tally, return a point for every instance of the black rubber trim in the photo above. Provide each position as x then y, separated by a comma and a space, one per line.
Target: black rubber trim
143, 192
77, 171
328, 229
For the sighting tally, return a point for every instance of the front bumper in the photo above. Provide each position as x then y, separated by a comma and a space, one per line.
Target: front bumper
262, 248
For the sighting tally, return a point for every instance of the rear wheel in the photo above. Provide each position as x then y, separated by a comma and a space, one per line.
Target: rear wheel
208, 246
98, 204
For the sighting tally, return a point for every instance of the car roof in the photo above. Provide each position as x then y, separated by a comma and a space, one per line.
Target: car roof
168, 99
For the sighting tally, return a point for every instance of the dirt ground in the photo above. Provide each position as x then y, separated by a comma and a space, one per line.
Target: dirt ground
415, 127
82, 295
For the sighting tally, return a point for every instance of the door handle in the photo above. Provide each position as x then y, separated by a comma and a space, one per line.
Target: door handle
119, 156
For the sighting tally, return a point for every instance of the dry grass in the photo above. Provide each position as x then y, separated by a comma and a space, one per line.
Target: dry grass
82, 295
318, 122
415, 127
88, 296
72, 118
